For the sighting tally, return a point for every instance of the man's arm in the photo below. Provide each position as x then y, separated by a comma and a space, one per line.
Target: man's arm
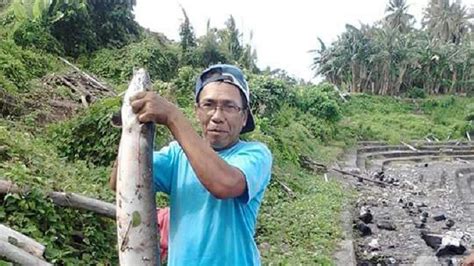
220, 179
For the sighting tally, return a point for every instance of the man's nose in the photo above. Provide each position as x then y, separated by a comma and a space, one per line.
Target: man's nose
218, 115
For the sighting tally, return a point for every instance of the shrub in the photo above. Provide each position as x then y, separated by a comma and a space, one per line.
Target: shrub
90, 135
118, 64
320, 101
416, 93
33, 34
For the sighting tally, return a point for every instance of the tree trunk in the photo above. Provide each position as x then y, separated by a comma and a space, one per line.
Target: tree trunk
399, 82
354, 77
20, 240
454, 78
18, 255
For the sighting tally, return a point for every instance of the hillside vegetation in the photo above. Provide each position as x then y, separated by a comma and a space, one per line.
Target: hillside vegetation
50, 141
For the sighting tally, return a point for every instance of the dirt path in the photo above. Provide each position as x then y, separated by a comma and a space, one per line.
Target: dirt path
429, 191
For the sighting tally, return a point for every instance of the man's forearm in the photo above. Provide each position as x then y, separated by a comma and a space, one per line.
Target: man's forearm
219, 178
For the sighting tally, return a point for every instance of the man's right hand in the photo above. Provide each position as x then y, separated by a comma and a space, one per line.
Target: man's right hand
151, 107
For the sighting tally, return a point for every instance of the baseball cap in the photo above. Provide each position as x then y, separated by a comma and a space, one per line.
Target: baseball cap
232, 75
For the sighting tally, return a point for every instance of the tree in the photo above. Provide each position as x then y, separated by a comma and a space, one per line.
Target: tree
209, 49
397, 16
230, 39
447, 22
186, 32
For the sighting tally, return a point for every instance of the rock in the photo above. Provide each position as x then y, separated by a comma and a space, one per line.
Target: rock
387, 225
439, 217
423, 219
390, 261
449, 223
452, 243
432, 240
421, 205
426, 260
451, 246
374, 245
365, 215
379, 175
425, 214
420, 225
363, 229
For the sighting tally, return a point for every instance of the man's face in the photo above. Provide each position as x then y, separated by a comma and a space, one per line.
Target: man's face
222, 126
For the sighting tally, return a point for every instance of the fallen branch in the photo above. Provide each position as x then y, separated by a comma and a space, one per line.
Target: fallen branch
359, 177
18, 255
8, 187
285, 187
409, 146
66, 200
84, 93
81, 202
87, 76
21, 241
309, 164
340, 93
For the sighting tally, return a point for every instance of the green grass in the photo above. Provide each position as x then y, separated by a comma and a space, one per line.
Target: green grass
394, 120
303, 229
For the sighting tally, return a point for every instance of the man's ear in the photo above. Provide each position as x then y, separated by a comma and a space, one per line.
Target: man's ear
196, 109
246, 116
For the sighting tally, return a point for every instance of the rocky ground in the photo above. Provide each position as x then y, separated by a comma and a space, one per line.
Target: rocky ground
421, 210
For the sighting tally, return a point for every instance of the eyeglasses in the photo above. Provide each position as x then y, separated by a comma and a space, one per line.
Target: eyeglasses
211, 107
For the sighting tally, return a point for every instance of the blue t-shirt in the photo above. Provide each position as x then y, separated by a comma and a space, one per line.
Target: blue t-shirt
205, 230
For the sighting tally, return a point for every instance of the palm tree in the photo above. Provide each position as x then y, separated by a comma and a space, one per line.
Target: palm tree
447, 22
397, 16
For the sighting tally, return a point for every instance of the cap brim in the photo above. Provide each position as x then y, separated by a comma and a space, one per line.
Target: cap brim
250, 125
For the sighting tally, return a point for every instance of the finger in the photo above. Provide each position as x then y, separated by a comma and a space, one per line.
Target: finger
138, 95
145, 118
137, 105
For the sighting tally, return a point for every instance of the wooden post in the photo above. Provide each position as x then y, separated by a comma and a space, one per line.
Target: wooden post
18, 255
20, 240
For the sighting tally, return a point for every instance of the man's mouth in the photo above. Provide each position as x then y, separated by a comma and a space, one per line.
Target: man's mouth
216, 131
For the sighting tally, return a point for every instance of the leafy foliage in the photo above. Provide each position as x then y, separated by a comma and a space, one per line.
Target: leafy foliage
267, 94
102, 24
18, 66
32, 34
320, 101
160, 60
70, 237
89, 136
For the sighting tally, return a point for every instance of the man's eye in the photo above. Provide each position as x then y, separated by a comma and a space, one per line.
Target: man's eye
207, 105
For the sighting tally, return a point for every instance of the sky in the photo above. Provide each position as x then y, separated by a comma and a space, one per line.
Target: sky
283, 32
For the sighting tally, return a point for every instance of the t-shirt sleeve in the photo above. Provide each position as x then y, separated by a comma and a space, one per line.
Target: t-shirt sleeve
163, 168
255, 162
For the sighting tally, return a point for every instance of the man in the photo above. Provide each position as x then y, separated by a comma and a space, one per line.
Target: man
216, 182
469, 260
